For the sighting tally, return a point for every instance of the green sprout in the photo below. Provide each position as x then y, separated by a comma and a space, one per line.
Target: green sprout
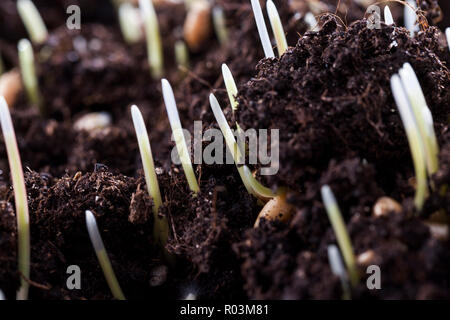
28, 71
161, 226
230, 84
102, 256
129, 23
20, 196
388, 19
416, 144
338, 269
251, 184
277, 27
153, 38
343, 239
175, 124
182, 55
32, 20
262, 29
220, 27
422, 115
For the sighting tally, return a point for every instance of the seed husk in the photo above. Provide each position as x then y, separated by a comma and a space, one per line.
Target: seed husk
197, 27
10, 86
385, 206
276, 208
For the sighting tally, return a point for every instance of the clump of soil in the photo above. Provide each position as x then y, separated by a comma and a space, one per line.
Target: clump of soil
331, 99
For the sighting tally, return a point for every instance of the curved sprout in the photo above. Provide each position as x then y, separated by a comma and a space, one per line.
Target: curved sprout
388, 19
153, 37
20, 197
219, 25
129, 22
338, 269
422, 115
343, 239
253, 187
277, 27
32, 20
175, 124
28, 72
161, 227
262, 29
102, 256
414, 139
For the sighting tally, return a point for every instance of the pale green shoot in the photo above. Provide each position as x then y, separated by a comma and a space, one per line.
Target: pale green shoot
32, 20
161, 226
230, 84
153, 37
251, 184
277, 27
102, 256
220, 27
340, 230
177, 130
262, 29
20, 197
129, 22
414, 139
182, 54
338, 269
422, 115
28, 72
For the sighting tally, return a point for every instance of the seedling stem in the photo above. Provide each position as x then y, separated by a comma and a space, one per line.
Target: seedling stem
20, 196
277, 27
175, 124
161, 227
102, 256
32, 20
154, 45
340, 230
262, 29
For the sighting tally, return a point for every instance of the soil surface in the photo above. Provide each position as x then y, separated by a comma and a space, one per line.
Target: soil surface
328, 94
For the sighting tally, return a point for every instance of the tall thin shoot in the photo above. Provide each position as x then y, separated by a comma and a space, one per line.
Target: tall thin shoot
161, 226
102, 256
262, 29
277, 27
177, 130
340, 230
20, 197
153, 37
32, 20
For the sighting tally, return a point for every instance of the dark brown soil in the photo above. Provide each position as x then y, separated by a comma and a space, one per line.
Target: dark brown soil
329, 96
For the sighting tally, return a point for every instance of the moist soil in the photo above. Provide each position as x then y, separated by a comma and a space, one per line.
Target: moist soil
329, 95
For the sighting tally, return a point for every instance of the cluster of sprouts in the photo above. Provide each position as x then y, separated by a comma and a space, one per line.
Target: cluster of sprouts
20, 197
418, 123
102, 256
